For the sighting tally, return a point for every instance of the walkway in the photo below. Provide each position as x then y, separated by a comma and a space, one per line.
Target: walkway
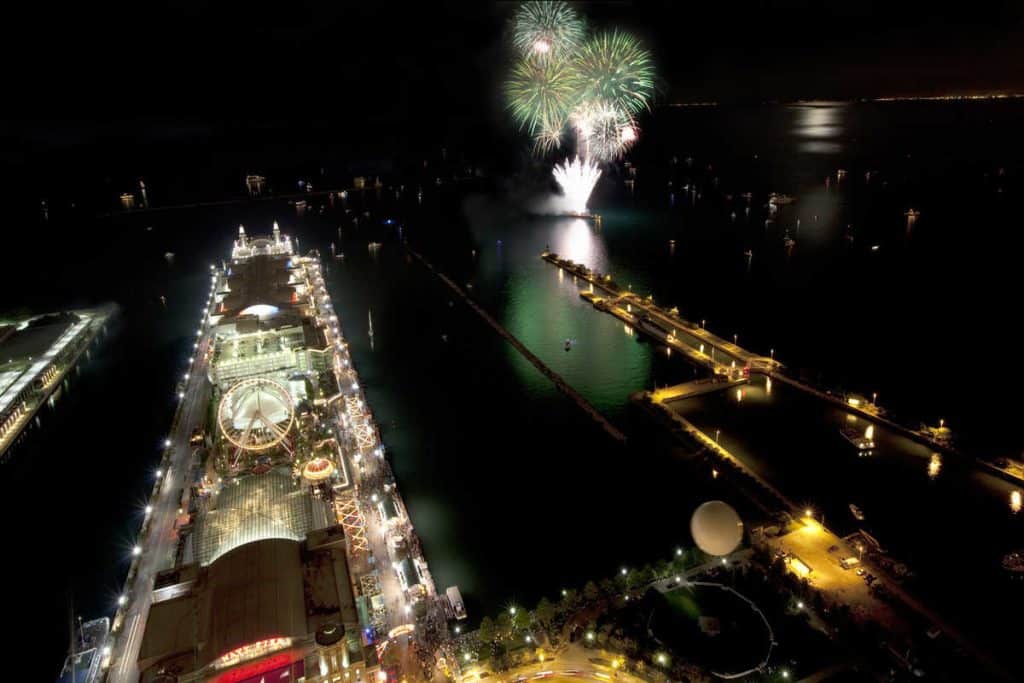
692, 340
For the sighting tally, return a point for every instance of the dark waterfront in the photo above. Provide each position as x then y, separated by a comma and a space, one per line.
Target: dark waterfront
513, 492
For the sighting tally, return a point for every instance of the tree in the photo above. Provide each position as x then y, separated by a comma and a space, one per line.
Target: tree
591, 592
663, 568
521, 619
608, 587
486, 632
504, 624
544, 612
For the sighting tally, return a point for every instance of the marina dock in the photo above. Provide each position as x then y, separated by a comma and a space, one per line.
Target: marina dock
729, 361
665, 326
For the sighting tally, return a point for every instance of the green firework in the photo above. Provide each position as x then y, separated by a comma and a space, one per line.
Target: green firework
613, 67
547, 29
540, 93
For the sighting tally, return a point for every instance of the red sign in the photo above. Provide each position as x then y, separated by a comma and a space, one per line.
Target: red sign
278, 668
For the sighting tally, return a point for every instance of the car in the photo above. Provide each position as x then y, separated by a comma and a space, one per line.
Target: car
860, 571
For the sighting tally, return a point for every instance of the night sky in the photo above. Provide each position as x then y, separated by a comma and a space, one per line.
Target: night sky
393, 74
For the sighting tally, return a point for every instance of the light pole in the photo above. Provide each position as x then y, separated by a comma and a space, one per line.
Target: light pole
717, 433
736, 338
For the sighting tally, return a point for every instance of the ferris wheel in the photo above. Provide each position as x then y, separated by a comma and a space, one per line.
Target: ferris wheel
256, 415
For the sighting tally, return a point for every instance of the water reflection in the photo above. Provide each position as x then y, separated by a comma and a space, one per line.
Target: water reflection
1015, 501
934, 465
578, 243
821, 126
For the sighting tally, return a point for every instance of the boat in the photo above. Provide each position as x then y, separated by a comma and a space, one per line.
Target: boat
863, 442
779, 199
857, 513
1013, 562
457, 608
372, 246
87, 658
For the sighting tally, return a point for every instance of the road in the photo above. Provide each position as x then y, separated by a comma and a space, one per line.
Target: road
160, 543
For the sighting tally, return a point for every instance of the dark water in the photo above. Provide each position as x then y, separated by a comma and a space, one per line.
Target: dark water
513, 492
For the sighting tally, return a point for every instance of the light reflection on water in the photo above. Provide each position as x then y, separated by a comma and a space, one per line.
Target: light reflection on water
578, 243
821, 126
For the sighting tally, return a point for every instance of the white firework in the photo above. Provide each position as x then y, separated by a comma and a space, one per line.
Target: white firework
604, 131
576, 178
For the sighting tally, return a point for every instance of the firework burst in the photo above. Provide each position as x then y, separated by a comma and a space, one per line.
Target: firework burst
540, 94
615, 69
547, 29
566, 81
605, 131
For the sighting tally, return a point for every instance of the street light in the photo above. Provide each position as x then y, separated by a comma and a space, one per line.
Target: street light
149, 509
736, 338
136, 551
121, 599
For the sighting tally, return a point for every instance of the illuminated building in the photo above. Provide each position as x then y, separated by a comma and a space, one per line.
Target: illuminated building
34, 355
260, 587
255, 184
265, 607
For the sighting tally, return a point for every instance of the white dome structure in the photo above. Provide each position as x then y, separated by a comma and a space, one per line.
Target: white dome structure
261, 311
716, 528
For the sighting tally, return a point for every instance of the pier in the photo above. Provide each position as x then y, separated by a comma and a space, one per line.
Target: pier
658, 408
729, 361
555, 378
701, 347
40, 354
